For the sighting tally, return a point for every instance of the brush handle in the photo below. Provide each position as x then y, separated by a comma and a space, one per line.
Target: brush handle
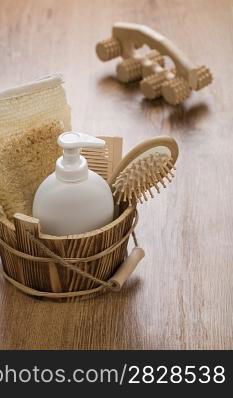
126, 268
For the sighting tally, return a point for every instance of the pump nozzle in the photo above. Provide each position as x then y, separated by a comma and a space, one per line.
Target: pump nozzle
72, 140
72, 167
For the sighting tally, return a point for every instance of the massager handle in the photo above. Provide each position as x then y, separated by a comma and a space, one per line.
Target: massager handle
132, 36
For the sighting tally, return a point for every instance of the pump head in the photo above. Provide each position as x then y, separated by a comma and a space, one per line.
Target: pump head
72, 167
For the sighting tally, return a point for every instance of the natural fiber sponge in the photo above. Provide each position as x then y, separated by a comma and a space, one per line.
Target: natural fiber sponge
25, 161
33, 105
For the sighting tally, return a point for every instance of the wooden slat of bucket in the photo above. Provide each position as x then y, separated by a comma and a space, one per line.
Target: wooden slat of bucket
9, 260
105, 266
34, 272
79, 283
59, 247
85, 249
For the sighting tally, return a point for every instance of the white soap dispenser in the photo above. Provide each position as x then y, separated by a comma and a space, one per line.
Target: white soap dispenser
73, 199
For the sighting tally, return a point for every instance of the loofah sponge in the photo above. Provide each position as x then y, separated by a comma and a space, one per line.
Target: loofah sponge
34, 105
25, 160
31, 117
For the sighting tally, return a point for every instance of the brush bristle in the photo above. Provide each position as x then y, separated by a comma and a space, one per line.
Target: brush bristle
136, 181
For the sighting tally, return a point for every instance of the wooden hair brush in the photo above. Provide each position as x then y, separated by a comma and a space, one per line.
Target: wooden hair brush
174, 84
148, 165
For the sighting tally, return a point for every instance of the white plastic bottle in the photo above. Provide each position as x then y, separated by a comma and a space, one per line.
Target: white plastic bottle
73, 199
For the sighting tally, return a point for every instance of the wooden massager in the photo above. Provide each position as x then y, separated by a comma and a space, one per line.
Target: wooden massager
174, 84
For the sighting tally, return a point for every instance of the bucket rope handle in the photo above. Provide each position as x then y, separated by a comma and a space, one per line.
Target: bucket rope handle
115, 282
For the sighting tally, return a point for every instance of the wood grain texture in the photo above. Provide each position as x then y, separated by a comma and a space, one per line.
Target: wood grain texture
181, 295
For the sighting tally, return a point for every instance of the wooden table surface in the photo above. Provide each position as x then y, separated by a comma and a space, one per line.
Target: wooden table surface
181, 295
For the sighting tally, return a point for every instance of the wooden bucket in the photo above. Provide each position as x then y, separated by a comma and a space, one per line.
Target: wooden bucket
65, 266
75, 265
